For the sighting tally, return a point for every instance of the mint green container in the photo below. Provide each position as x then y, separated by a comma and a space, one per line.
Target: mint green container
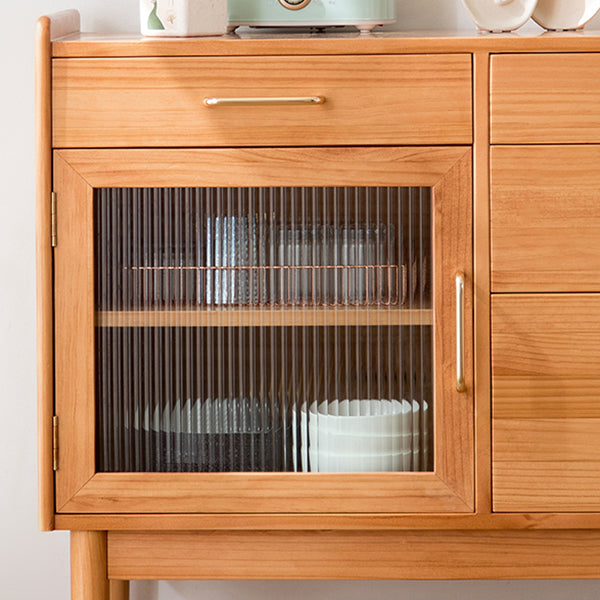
362, 14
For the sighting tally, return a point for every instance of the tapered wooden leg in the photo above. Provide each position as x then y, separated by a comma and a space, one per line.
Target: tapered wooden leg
88, 566
119, 589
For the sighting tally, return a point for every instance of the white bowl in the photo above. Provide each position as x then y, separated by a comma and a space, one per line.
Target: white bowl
560, 15
416, 419
338, 443
325, 462
402, 417
398, 430
500, 15
361, 417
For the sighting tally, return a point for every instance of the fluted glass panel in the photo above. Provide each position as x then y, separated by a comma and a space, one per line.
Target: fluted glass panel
264, 329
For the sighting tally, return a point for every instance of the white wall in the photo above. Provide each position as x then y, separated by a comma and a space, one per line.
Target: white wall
36, 565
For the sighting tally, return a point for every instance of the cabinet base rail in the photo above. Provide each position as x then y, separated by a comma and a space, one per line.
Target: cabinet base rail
103, 562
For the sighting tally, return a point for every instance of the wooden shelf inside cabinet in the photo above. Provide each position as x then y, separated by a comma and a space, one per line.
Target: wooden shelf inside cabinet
266, 317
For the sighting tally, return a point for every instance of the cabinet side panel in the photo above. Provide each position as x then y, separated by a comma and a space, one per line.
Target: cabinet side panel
74, 318
43, 126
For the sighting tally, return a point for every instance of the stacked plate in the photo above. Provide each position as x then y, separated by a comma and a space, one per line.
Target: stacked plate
213, 435
361, 436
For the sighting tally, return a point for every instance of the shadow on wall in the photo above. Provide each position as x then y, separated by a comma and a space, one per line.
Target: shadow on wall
430, 14
359, 590
147, 590
122, 17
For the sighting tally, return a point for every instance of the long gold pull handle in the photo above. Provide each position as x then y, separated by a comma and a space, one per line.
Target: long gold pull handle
460, 332
210, 102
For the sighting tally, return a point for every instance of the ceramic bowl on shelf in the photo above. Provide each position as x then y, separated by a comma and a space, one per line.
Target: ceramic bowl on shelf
498, 16
361, 435
362, 417
339, 443
564, 15
326, 462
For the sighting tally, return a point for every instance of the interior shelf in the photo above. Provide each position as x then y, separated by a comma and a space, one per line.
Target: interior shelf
266, 317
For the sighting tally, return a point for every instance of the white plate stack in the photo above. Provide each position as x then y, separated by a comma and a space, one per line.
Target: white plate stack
353, 436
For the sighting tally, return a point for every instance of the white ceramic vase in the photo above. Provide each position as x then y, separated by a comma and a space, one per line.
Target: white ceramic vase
500, 15
174, 18
561, 15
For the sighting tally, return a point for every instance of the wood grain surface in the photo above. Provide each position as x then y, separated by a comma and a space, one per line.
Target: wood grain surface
159, 101
449, 489
355, 555
89, 566
481, 283
453, 253
329, 521
266, 317
250, 493
44, 283
118, 589
47, 27
74, 322
546, 391
263, 167
545, 99
252, 43
545, 218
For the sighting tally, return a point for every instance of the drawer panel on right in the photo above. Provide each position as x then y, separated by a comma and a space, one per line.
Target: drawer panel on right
545, 218
545, 98
546, 402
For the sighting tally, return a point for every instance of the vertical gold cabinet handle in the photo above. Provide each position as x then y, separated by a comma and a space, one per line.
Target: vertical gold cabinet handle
289, 100
460, 332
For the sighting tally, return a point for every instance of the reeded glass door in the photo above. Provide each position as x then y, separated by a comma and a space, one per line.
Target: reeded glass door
264, 329
292, 321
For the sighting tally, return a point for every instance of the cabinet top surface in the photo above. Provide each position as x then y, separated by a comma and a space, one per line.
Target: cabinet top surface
249, 42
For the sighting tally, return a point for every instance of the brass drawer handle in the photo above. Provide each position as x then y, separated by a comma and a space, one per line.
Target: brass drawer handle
460, 332
210, 102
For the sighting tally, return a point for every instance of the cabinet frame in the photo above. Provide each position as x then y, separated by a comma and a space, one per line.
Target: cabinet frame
475, 545
79, 489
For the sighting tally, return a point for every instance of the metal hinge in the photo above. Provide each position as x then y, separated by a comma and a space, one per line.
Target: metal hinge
55, 443
53, 219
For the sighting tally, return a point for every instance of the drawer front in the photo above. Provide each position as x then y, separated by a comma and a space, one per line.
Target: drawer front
160, 101
546, 402
545, 98
545, 219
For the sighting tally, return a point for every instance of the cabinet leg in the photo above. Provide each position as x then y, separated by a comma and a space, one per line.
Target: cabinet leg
88, 566
119, 589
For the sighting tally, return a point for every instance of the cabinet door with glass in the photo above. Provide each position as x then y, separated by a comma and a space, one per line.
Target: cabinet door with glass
264, 330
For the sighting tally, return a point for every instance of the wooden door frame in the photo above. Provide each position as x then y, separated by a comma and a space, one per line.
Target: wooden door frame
79, 489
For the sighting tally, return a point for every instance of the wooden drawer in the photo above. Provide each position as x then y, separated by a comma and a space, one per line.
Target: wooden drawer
546, 402
545, 219
421, 99
545, 98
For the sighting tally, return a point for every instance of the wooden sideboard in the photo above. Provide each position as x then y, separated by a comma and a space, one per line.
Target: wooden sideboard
501, 135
